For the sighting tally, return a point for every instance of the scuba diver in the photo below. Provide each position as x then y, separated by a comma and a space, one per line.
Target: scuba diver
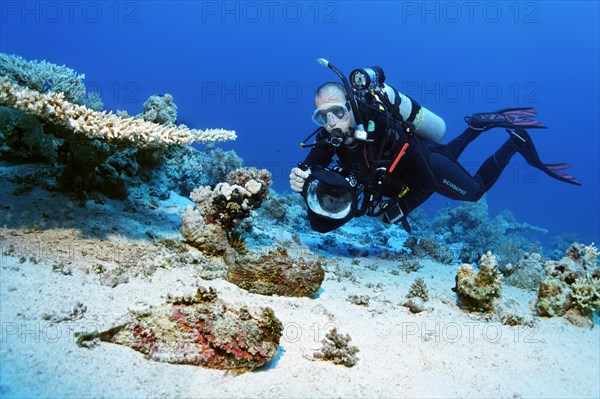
388, 159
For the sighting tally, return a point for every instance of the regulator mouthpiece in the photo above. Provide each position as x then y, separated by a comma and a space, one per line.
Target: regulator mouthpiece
323, 62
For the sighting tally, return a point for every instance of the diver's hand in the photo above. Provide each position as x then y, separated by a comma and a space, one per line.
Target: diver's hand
297, 178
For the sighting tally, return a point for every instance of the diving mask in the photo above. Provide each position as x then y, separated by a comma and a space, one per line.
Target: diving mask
335, 111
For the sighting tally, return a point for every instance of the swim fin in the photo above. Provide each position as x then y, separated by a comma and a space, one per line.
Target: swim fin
526, 148
507, 118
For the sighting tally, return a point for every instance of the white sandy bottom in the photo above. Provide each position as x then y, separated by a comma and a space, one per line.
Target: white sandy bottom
438, 353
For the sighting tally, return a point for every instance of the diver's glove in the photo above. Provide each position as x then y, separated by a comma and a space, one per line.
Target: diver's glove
297, 178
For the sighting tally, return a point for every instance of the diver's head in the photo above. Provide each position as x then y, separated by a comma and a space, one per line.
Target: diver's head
333, 110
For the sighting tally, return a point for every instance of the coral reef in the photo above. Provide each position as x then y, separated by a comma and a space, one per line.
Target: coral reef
22, 138
336, 349
47, 117
200, 330
160, 109
71, 119
183, 168
526, 274
43, 76
470, 225
209, 238
276, 274
478, 290
585, 255
430, 247
221, 211
571, 284
418, 289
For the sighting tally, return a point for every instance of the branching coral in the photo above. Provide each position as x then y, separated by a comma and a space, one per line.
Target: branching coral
336, 349
571, 284
586, 294
479, 290
418, 289
73, 119
584, 255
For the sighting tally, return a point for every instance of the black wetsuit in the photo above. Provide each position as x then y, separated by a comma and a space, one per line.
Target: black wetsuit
426, 167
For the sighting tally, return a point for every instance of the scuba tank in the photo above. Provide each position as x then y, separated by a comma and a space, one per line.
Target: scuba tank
371, 82
427, 124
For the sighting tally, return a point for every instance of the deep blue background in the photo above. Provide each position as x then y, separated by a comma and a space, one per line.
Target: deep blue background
251, 66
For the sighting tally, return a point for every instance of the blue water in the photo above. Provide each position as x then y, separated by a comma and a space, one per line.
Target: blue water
251, 66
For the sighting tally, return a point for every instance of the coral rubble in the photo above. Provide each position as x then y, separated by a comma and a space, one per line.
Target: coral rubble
276, 274
479, 290
200, 330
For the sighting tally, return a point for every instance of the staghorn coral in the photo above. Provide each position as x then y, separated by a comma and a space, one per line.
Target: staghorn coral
200, 330
77, 120
572, 285
418, 289
336, 349
276, 274
479, 290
